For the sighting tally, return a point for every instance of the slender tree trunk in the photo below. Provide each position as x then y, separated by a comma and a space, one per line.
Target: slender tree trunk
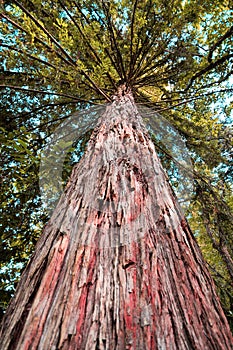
223, 250
117, 266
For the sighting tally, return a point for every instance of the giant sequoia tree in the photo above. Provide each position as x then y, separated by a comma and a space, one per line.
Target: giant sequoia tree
116, 265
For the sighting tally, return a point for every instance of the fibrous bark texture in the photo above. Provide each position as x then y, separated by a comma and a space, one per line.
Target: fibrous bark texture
117, 266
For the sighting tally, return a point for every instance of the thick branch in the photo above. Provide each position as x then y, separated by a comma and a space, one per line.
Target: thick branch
46, 32
132, 37
49, 48
207, 69
143, 50
87, 41
228, 34
113, 40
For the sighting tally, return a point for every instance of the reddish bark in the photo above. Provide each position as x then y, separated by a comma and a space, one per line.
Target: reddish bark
117, 266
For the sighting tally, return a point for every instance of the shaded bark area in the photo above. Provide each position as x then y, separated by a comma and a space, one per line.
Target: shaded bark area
117, 266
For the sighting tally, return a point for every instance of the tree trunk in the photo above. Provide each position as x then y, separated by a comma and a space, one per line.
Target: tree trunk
117, 266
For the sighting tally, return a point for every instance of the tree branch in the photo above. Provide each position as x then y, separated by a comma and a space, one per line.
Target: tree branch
132, 38
81, 32
39, 91
33, 57
207, 69
48, 105
49, 48
228, 34
98, 60
46, 32
93, 84
193, 98
109, 55
113, 40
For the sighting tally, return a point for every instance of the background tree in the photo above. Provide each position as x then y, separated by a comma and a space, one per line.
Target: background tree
58, 57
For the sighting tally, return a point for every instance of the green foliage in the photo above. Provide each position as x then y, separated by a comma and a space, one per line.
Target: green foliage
61, 56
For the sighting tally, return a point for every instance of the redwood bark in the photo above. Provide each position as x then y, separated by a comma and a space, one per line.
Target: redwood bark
117, 266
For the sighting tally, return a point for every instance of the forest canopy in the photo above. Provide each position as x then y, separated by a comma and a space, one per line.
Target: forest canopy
60, 58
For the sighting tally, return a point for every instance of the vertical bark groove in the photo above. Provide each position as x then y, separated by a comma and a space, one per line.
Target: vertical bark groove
117, 266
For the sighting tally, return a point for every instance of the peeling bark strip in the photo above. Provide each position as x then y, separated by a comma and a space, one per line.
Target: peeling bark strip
117, 266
